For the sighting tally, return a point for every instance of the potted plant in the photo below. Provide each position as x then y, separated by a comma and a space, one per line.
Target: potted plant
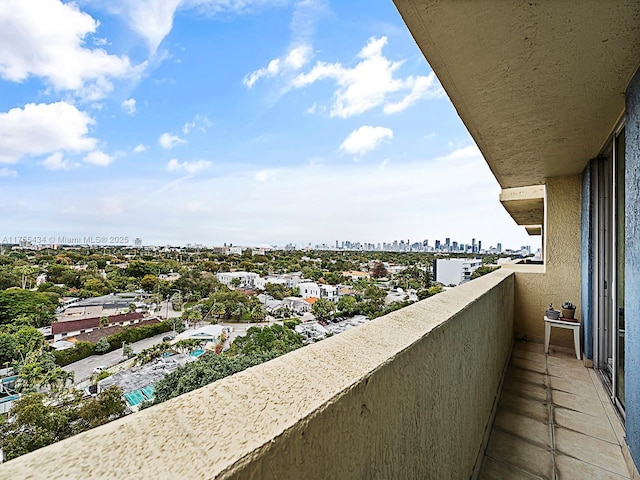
551, 314
568, 310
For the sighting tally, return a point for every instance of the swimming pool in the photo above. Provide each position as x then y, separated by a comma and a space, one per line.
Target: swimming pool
141, 395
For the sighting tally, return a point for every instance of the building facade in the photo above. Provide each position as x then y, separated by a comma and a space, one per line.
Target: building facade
454, 271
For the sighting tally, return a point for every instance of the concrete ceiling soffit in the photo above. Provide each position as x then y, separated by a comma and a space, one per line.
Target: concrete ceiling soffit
539, 85
533, 229
525, 204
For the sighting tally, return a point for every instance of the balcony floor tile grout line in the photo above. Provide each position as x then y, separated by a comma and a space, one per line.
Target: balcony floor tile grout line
514, 467
551, 418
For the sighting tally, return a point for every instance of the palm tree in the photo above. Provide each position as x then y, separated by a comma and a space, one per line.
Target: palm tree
67, 376
54, 379
257, 313
238, 311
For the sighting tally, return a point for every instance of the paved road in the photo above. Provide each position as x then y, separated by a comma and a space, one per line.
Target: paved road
84, 368
162, 311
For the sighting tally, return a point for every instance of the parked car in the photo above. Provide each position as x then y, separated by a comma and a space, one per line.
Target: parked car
168, 338
100, 368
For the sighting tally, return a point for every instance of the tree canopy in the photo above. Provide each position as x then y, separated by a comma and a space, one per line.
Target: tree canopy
36, 307
379, 270
36, 420
274, 338
323, 309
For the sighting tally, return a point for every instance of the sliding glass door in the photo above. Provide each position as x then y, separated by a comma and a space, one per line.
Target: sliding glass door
608, 274
619, 187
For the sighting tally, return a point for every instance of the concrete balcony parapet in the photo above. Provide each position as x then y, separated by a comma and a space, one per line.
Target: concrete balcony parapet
408, 395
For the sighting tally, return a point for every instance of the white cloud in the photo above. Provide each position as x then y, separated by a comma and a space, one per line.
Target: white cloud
264, 175
295, 59
129, 106
101, 41
8, 172
365, 139
99, 158
46, 38
153, 19
56, 161
168, 141
140, 148
304, 19
190, 168
186, 128
199, 122
43, 128
464, 153
421, 87
370, 83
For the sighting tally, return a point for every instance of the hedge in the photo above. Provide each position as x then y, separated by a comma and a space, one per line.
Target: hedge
128, 334
78, 352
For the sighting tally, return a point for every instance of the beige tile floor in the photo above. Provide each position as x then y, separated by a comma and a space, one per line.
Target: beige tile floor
553, 421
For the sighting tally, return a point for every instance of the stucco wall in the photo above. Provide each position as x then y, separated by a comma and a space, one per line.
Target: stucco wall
632, 268
408, 395
560, 279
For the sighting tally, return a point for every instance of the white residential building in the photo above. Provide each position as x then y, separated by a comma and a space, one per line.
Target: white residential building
314, 290
454, 271
297, 304
262, 282
247, 279
329, 292
309, 289
208, 333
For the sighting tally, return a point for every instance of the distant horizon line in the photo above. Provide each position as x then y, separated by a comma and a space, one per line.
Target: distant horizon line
288, 246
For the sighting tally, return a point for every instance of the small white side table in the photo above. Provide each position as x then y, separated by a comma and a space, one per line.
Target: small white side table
575, 326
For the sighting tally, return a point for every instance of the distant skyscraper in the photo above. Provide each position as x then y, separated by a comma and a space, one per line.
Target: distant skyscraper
437, 244
479, 246
499, 248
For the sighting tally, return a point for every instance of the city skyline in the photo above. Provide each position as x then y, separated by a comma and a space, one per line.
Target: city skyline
475, 246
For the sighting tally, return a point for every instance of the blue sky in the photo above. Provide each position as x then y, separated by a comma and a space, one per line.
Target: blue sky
238, 121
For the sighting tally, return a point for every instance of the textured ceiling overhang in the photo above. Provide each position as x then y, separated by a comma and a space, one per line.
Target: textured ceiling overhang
533, 229
524, 204
539, 85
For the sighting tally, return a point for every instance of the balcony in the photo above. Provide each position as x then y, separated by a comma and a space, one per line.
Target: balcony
408, 395
554, 420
